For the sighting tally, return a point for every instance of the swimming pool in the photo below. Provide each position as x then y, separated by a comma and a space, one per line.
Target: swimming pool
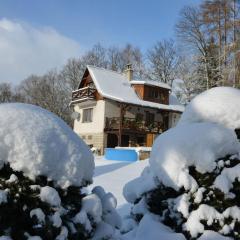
128, 155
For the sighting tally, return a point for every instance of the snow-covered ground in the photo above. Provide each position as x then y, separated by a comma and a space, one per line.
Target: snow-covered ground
113, 175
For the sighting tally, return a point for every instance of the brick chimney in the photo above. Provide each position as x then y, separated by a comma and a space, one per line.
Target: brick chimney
129, 72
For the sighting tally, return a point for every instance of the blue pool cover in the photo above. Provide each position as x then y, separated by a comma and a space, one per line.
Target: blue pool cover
128, 155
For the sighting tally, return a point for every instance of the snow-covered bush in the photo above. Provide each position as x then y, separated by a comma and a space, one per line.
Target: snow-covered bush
44, 166
192, 185
218, 105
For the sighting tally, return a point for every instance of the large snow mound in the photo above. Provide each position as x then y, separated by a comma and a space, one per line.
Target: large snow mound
37, 142
219, 105
196, 144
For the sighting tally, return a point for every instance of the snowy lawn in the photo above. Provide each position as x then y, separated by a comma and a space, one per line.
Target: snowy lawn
113, 175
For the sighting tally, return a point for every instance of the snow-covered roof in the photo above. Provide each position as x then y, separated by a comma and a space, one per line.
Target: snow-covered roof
151, 83
115, 86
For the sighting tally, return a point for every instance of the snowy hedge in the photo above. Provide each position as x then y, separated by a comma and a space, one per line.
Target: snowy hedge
191, 190
39, 143
44, 166
218, 105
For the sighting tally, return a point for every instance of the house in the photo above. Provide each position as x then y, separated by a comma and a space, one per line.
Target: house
112, 109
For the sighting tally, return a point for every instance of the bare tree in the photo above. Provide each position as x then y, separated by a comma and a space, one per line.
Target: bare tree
187, 85
48, 91
97, 56
163, 60
10, 94
210, 31
6, 93
72, 73
133, 55
192, 31
114, 58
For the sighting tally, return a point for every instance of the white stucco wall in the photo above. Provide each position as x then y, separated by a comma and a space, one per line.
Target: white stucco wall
97, 124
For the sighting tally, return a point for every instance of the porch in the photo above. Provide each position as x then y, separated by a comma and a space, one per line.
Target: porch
132, 132
133, 125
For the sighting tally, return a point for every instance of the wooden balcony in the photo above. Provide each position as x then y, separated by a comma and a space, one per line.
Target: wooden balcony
131, 124
83, 94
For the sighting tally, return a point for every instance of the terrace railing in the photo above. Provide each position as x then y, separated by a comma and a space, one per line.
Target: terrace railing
133, 125
84, 93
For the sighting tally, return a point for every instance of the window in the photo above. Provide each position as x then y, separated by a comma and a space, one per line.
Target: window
163, 99
87, 115
153, 93
89, 137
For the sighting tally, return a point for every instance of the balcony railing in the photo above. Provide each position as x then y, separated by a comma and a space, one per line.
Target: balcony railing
133, 125
84, 93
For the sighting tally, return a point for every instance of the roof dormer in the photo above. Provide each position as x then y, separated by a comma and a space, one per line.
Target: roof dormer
152, 91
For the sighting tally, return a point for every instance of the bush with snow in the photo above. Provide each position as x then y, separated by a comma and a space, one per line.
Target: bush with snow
37, 142
44, 166
218, 105
192, 185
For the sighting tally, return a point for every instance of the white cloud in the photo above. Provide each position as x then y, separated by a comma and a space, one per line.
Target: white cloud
25, 50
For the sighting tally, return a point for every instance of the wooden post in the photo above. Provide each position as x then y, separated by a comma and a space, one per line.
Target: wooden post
123, 108
120, 126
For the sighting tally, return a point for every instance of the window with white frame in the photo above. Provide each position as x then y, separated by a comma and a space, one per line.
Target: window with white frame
87, 115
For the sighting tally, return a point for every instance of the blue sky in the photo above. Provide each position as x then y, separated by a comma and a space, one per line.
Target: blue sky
141, 22
70, 27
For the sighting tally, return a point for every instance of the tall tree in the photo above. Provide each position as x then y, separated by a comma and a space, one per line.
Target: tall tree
188, 84
114, 58
72, 73
217, 19
133, 55
49, 92
6, 93
164, 61
192, 31
10, 94
97, 56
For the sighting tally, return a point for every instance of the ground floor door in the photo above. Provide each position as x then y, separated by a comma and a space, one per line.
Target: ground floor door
112, 140
150, 139
125, 140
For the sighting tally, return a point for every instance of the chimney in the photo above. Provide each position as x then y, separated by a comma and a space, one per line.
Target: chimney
129, 72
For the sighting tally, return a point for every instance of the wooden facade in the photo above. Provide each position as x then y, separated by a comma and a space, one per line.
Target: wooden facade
86, 89
152, 93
